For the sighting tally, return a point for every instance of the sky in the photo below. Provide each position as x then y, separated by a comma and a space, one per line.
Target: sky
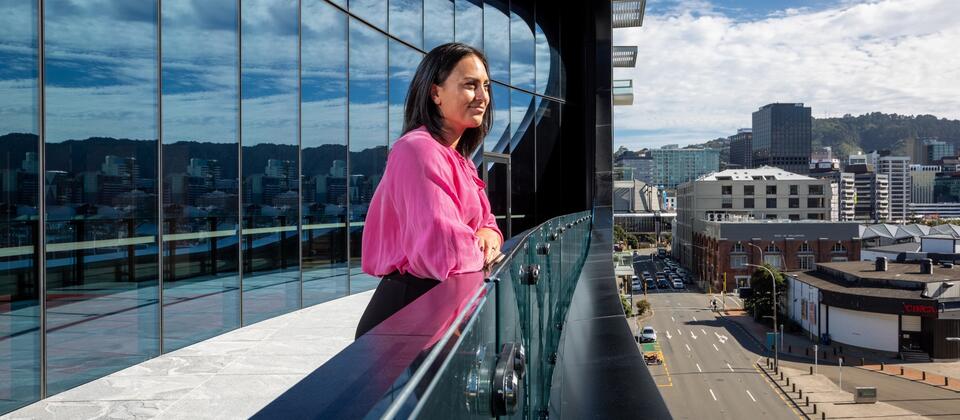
705, 65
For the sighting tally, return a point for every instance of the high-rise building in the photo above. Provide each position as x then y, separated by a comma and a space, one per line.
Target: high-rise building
929, 150
946, 188
873, 194
675, 166
921, 183
782, 136
843, 191
822, 153
741, 148
897, 170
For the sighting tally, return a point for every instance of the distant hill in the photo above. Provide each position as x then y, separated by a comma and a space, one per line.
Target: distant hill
879, 131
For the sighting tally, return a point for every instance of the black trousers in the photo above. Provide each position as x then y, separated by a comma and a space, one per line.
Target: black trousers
394, 292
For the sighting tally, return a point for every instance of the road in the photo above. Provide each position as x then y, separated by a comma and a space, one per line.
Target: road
709, 366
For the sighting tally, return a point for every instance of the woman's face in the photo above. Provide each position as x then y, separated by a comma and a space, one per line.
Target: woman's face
464, 96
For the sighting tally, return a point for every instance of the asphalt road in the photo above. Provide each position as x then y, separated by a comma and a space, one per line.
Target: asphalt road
709, 365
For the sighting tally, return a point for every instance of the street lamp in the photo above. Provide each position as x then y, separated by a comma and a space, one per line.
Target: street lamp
758, 249
776, 349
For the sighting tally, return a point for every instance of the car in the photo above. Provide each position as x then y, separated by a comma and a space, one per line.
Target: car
646, 273
663, 284
634, 279
637, 288
648, 335
651, 284
677, 284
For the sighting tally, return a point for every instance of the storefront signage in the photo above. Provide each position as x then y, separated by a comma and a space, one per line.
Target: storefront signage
918, 309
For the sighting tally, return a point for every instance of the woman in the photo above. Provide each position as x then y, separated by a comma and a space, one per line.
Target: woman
429, 218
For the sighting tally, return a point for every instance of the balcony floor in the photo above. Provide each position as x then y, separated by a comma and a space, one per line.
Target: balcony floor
230, 376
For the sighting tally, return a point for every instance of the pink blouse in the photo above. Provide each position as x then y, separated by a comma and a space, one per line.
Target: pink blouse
425, 214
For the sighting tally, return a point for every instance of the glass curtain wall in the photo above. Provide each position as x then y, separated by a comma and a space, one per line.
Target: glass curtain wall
199, 125
324, 152
101, 135
219, 157
269, 127
19, 199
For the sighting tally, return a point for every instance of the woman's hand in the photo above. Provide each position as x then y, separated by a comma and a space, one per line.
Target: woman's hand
489, 242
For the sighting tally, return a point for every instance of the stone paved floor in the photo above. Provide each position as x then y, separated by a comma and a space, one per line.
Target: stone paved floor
226, 377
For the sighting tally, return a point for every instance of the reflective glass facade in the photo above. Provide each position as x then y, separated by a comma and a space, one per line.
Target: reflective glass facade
174, 169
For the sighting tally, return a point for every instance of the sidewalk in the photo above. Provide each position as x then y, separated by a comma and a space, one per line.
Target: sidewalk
941, 375
818, 397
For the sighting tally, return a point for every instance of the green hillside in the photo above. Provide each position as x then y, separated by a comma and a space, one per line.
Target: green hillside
879, 131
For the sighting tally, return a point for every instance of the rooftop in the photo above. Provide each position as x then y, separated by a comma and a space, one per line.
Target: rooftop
824, 281
895, 271
769, 173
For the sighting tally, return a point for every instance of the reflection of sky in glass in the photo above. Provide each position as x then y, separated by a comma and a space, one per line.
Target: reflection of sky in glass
469, 22
368, 87
438, 21
521, 52
18, 73
199, 84
496, 39
403, 64
269, 73
521, 110
406, 20
324, 75
372, 11
101, 70
498, 137
543, 52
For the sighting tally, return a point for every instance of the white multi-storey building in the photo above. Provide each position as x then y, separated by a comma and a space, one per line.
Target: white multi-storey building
897, 170
921, 183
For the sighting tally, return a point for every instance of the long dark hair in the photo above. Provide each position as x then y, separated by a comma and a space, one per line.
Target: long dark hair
420, 109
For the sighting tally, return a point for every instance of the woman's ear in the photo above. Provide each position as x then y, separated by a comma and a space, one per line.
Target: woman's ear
435, 94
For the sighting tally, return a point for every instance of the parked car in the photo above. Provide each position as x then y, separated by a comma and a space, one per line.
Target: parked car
678, 284
663, 284
651, 284
648, 335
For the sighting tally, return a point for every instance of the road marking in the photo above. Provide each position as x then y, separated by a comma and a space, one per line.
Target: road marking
679, 332
698, 367
723, 338
715, 347
678, 303
688, 347
751, 396
703, 331
668, 335
694, 318
776, 390
713, 395
674, 320
692, 335
728, 367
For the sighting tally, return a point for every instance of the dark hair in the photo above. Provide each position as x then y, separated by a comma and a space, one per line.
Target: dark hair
420, 109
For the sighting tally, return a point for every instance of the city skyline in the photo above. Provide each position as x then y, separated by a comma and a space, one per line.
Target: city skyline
700, 61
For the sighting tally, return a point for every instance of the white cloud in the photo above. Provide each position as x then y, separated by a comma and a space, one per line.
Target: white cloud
700, 76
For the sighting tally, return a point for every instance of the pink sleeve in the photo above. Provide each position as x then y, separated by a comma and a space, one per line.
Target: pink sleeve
435, 240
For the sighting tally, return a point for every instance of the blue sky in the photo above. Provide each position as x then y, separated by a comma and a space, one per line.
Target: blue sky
704, 66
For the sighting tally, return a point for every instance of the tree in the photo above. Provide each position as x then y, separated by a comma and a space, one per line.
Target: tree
627, 310
760, 304
642, 306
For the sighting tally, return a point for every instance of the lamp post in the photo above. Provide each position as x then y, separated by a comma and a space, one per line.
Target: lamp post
776, 349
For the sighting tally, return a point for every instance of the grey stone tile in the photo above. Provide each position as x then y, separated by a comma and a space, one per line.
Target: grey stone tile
80, 410
174, 364
133, 388
301, 364
301, 347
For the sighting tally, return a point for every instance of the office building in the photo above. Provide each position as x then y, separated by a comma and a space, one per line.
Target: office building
822, 153
175, 170
843, 191
928, 151
765, 193
782, 137
642, 168
741, 148
872, 199
946, 187
674, 166
921, 182
897, 170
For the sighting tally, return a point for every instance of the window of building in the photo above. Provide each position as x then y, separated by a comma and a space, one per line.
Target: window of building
806, 262
748, 203
743, 281
814, 216
738, 261
770, 216
773, 260
727, 203
772, 189
805, 247
815, 189
838, 259
772, 248
771, 203
839, 248
794, 189
737, 247
726, 189
794, 203
748, 190
794, 217
815, 203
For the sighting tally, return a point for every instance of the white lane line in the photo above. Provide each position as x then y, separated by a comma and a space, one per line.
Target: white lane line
703, 331
692, 335
728, 367
715, 347
674, 320
751, 396
713, 395
678, 303
698, 368
694, 318
668, 335
688, 347
679, 332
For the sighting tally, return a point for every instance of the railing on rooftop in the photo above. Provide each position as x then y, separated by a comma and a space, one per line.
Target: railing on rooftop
477, 345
